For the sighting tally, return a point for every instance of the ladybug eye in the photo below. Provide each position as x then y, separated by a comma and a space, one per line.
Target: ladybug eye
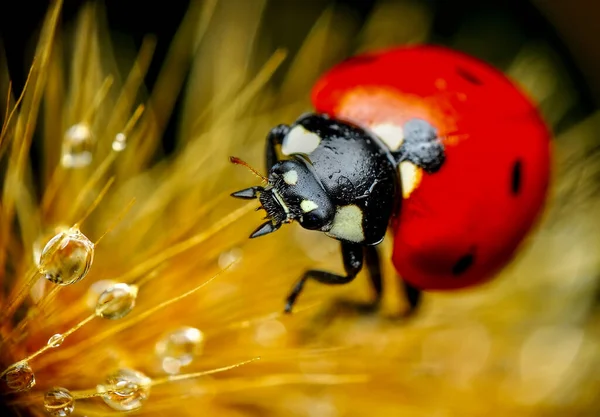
312, 220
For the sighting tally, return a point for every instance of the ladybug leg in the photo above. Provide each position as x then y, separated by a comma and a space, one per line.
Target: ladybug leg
274, 138
413, 296
373, 264
421, 146
352, 255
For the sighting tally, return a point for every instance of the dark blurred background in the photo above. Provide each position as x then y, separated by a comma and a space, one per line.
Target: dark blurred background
570, 27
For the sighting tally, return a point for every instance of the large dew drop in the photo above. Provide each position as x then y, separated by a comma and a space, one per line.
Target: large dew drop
67, 257
58, 402
20, 377
179, 348
125, 390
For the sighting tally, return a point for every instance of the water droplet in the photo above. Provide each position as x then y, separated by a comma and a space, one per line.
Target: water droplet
125, 390
78, 146
59, 402
120, 142
228, 257
116, 301
271, 333
56, 340
20, 377
95, 290
179, 347
67, 257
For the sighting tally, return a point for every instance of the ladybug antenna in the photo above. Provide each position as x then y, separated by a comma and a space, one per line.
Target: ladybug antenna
238, 161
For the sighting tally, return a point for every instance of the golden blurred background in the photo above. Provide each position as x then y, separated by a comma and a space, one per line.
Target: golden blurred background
119, 148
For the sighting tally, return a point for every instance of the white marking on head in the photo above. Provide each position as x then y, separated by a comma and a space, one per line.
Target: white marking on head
411, 176
290, 177
307, 206
300, 140
392, 135
347, 224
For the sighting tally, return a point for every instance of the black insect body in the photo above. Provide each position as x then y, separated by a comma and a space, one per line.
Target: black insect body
341, 180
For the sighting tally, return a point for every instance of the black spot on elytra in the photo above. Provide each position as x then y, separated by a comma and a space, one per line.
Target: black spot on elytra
463, 264
516, 177
469, 76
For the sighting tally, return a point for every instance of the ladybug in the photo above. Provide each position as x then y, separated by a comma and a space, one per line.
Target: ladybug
430, 143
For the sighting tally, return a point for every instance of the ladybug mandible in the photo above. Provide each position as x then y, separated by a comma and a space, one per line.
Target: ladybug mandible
434, 144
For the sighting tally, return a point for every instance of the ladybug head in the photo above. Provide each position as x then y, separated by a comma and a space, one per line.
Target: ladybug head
292, 192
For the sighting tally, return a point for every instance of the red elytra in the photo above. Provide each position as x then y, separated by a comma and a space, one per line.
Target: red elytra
461, 224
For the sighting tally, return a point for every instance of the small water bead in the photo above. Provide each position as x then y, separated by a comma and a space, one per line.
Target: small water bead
56, 340
120, 142
78, 146
20, 377
229, 257
95, 290
67, 257
116, 301
58, 402
179, 348
271, 333
125, 390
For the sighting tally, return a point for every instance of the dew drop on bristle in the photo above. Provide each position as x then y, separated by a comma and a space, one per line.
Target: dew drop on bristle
179, 348
56, 340
125, 390
229, 257
120, 142
67, 257
95, 290
58, 402
19, 377
116, 301
77, 147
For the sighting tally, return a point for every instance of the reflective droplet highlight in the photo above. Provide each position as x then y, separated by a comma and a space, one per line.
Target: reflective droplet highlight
40, 243
56, 340
58, 402
178, 348
67, 257
78, 146
120, 142
116, 301
20, 377
125, 390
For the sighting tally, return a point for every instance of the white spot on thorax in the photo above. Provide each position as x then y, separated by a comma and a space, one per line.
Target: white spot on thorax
347, 224
290, 177
308, 206
411, 176
392, 135
300, 140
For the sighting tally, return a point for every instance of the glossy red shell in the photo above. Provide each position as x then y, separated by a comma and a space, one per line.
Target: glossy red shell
463, 223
